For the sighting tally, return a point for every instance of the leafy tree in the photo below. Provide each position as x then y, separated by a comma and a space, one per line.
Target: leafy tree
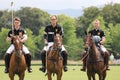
39, 41
115, 36
83, 22
33, 18
5, 19
31, 42
111, 13
69, 40
3, 44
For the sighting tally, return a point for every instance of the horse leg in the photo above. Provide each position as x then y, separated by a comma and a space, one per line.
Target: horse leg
21, 76
89, 75
93, 76
59, 75
49, 76
100, 76
104, 75
11, 75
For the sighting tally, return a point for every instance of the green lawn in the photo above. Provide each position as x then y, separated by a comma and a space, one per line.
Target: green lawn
74, 73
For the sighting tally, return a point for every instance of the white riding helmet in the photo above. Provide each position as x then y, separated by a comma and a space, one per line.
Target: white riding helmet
96, 39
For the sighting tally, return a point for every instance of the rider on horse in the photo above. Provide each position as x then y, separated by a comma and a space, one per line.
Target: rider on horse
49, 33
99, 38
17, 31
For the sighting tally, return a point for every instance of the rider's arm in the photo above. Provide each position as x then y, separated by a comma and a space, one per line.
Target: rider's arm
102, 37
60, 31
8, 39
24, 39
102, 40
45, 38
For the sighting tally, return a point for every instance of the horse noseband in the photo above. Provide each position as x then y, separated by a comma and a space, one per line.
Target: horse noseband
59, 49
86, 49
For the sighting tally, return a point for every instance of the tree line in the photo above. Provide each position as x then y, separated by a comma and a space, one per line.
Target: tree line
34, 21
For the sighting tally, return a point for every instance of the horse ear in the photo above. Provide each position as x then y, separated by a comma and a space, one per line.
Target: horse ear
85, 32
90, 34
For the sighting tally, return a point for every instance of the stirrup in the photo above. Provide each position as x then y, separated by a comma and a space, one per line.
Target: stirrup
6, 70
29, 70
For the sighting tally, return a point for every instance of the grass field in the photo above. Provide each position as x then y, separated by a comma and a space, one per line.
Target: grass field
74, 73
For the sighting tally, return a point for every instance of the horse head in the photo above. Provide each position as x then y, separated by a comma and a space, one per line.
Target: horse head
92, 45
17, 44
58, 42
88, 41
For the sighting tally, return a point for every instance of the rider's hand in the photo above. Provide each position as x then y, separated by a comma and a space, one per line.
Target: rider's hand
101, 42
46, 43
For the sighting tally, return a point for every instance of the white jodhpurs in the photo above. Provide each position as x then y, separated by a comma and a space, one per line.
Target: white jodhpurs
103, 48
11, 48
46, 48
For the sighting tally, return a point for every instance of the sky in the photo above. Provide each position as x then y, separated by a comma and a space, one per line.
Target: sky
53, 4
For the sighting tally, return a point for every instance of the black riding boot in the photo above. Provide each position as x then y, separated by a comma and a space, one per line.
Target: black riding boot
28, 62
65, 56
43, 58
7, 62
84, 65
107, 55
84, 62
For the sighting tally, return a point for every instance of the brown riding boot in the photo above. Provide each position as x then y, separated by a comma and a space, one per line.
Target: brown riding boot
107, 55
84, 66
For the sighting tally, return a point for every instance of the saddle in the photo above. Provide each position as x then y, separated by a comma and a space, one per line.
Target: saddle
99, 48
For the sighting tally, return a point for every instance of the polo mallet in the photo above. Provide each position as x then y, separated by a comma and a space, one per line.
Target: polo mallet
46, 57
12, 17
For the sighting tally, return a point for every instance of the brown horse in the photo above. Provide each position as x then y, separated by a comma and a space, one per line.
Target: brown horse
95, 61
54, 61
17, 62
